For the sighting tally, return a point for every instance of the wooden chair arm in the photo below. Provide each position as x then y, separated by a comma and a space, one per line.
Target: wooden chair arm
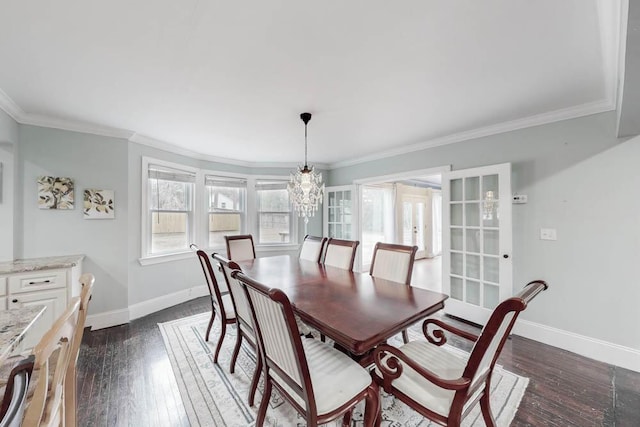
438, 337
391, 368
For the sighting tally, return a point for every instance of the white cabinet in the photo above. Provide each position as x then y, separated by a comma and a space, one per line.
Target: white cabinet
51, 287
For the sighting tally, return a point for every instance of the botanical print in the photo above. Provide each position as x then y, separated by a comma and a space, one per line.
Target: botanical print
55, 193
98, 204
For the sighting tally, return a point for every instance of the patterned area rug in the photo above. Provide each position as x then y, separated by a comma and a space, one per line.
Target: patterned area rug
214, 397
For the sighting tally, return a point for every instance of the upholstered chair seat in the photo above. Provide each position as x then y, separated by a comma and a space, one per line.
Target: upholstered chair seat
324, 364
441, 361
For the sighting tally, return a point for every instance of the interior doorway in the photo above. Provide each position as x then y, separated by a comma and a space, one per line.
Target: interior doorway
403, 209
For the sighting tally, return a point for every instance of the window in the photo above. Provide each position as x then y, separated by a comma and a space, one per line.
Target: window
275, 218
226, 203
170, 209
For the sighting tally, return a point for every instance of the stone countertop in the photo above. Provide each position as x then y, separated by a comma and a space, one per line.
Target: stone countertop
14, 324
34, 264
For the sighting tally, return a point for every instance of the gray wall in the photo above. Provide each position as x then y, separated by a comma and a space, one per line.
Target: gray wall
580, 180
8, 150
93, 162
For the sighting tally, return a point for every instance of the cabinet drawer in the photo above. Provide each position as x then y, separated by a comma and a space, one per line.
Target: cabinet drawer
3, 285
37, 281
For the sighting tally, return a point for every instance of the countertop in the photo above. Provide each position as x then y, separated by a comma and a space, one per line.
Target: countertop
34, 264
14, 324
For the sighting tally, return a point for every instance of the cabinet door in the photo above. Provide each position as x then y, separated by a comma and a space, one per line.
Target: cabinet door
55, 301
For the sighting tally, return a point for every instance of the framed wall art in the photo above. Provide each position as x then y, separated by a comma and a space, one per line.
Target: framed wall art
98, 204
55, 193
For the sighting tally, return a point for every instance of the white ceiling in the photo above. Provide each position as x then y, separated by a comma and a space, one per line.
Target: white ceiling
230, 78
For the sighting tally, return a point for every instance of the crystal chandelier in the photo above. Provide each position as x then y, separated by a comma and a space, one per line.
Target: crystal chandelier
305, 186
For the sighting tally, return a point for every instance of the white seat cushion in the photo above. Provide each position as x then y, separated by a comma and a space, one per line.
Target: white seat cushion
335, 377
444, 363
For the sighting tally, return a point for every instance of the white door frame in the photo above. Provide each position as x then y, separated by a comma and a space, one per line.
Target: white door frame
437, 170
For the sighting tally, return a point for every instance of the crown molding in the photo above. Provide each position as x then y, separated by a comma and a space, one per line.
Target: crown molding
166, 146
19, 115
9, 106
73, 125
537, 120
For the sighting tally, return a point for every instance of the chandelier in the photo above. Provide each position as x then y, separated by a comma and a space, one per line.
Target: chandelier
305, 186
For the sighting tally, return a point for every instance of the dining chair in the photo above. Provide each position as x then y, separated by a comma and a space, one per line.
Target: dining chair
52, 357
440, 384
395, 263
341, 253
312, 247
70, 398
15, 393
219, 302
243, 321
320, 382
240, 247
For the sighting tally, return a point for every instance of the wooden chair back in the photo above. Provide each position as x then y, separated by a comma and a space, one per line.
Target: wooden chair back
15, 393
212, 281
71, 400
240, 247
238, 295
341, 253
489, 344
312, 248
393, 262
279, 339
52, 358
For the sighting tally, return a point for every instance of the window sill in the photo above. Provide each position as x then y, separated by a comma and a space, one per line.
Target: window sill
159, 259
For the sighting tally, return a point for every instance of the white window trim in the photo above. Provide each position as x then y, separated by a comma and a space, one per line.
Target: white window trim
200, 227
272, 247
202, 235
145, 257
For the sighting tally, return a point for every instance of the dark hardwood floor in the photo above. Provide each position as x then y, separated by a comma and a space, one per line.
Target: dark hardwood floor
125, 379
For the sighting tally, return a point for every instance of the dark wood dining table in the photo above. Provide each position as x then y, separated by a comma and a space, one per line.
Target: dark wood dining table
357, 311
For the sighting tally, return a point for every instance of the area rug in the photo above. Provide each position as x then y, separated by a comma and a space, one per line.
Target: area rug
214, 397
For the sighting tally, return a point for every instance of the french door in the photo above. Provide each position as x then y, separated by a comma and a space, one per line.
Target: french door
477, 242
339, 212
414, 223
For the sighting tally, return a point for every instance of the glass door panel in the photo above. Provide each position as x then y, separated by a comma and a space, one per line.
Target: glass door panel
477, 274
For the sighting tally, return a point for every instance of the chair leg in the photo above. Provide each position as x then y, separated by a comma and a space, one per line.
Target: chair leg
323, 338
346, 420
219, 346
213, 315
405, 336
254, 381
236, 351
485, 406
262, 412
372, 408
70, 399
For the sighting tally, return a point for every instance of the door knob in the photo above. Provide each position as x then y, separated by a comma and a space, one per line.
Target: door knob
505, 256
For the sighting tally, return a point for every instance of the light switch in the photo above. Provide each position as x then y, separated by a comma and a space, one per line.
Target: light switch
548, 234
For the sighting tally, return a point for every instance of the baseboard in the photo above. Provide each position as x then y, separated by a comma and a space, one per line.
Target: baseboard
143, 308
108, 319
592, 348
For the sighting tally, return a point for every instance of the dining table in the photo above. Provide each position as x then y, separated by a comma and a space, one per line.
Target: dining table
357, 311
14, 324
